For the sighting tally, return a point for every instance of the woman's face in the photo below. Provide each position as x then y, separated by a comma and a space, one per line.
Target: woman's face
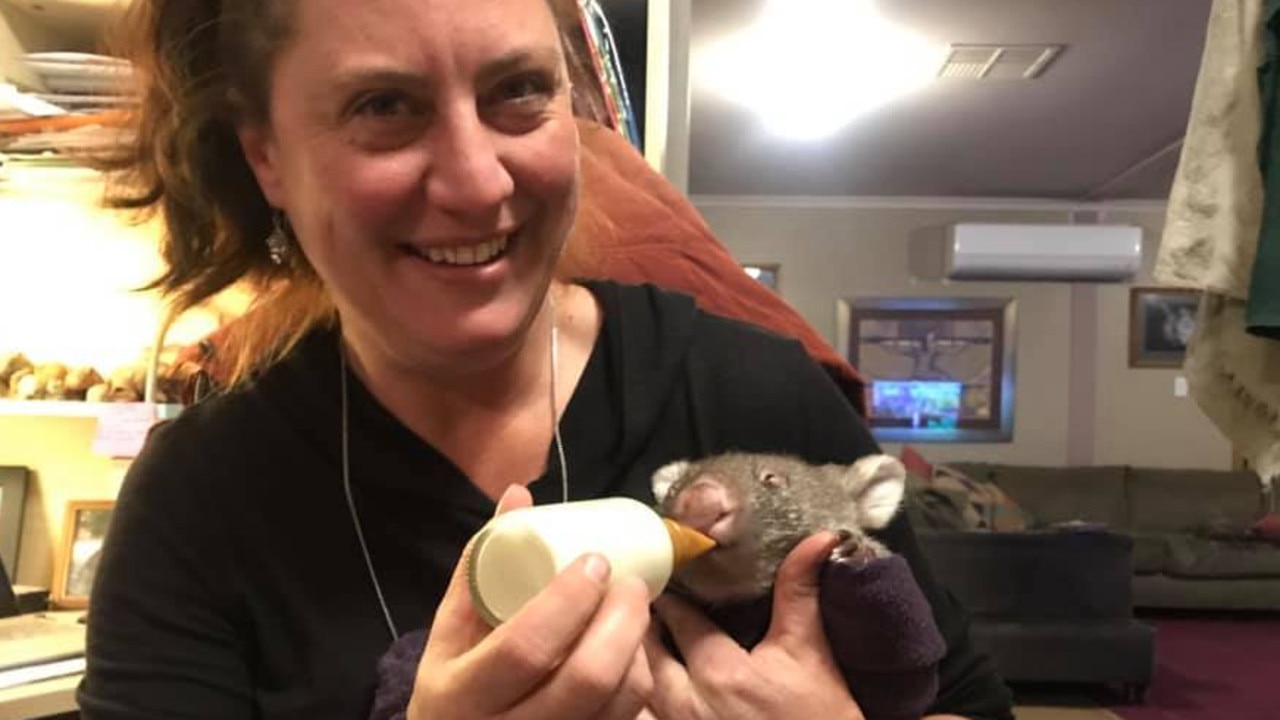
426, 155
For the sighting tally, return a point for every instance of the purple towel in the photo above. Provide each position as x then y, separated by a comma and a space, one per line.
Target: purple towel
397, 670
877, 621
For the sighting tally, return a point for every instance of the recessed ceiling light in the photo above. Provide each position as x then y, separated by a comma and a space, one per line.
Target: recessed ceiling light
811, 67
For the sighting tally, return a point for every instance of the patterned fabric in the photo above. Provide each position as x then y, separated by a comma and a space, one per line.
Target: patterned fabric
989, 507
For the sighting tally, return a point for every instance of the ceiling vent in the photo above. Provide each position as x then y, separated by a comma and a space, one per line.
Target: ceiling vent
998, 62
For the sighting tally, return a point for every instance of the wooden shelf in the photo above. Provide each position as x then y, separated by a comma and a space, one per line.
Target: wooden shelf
70, 409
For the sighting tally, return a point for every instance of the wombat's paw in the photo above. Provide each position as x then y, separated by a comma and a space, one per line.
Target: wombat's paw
853, 549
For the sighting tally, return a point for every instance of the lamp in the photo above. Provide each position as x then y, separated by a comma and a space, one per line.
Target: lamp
810, 67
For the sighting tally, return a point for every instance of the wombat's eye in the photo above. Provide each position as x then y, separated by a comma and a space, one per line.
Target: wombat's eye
772, 479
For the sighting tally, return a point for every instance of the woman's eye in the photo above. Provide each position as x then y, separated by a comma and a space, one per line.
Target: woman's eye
386, 120
523, 87
382, 105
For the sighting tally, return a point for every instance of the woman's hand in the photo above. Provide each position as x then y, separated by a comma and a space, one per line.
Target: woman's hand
790, 674
574, 651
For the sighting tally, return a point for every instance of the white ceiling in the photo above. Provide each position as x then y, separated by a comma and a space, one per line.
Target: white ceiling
1104, 122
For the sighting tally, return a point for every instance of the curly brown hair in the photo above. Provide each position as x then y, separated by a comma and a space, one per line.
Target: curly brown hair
203, 70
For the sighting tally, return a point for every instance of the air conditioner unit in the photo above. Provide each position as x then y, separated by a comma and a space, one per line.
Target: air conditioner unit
1065, 253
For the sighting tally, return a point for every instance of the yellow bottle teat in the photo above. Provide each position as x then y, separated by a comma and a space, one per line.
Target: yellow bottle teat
686, 543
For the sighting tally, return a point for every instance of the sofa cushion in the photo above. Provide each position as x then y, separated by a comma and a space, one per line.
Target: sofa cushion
1267, 528
1194, 501
1056, 495
1150, 553
1200, 557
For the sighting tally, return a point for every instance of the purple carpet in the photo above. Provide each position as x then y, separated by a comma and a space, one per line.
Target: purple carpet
1218, 669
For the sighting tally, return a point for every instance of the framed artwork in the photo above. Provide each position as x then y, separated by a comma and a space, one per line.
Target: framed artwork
13, 500
938, 369
83, 530
1161, 323
765, 273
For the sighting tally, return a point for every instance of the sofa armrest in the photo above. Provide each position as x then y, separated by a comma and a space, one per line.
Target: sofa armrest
1052, 575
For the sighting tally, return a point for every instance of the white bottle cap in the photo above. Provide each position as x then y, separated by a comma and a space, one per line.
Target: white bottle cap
517, 554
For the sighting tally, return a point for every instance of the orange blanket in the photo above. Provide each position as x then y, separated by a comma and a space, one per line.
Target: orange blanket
636, 227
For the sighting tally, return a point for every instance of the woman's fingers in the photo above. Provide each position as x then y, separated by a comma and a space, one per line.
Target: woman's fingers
633, 694
797, 618
702, 644
457, 627
515, 496
673, 691
634, 701
524, 651
601, 670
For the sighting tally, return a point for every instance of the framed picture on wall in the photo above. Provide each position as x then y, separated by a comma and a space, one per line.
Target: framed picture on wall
1161, 323
938, 369
13, 500
83, 531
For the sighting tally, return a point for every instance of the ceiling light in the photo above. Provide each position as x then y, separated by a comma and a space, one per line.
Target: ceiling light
810, 67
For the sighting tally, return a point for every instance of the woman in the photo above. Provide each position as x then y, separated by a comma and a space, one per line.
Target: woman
414, 163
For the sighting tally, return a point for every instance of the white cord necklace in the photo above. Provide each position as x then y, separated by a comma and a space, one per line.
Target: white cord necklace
346, 465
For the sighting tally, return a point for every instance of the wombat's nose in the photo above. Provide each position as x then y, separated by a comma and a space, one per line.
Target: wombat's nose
703, 505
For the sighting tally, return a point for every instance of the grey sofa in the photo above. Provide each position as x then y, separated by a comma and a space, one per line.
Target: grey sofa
1049, 606
1191, 547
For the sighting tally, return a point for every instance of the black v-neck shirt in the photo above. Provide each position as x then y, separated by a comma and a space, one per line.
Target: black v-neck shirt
233, 585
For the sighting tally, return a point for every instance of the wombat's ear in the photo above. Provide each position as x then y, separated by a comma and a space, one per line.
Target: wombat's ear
878, 483
666, 476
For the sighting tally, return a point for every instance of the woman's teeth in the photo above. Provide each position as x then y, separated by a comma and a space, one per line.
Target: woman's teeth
465, 254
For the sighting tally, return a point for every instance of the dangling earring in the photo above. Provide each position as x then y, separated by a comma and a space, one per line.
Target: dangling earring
278, 245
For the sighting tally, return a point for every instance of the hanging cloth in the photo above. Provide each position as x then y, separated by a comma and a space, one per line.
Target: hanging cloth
1211, 235
1215, 205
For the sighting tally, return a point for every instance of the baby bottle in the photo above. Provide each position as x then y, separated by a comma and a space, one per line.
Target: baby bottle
517, 553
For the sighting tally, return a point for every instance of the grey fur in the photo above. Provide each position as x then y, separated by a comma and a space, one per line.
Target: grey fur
781, 500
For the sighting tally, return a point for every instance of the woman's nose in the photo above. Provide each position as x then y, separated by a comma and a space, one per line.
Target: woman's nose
468, 173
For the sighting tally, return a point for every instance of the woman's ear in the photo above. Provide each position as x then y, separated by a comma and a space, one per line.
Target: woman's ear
260, 151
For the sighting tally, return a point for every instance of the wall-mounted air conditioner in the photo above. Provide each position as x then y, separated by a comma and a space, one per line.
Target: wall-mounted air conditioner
1064, 253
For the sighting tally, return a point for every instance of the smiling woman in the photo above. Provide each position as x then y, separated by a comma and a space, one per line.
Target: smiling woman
400, 178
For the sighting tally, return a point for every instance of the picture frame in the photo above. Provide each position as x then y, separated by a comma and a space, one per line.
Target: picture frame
937, 369
764, 273
84, 528
13, 502
1161, 325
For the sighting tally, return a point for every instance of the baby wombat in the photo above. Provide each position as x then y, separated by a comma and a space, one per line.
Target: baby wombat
758, 507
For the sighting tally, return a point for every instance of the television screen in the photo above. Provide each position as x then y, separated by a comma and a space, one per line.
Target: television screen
919, 404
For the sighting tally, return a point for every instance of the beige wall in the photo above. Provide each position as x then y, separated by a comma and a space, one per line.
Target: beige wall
58, 451
833, 250
1139, 421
